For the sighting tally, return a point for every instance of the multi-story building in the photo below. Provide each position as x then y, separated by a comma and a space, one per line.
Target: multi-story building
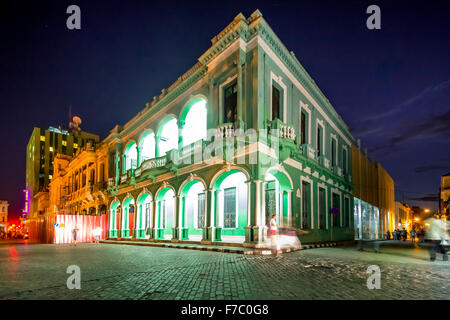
3, 215
79, 182
243, 135
374, 203
444, 199
403, 216
41, 150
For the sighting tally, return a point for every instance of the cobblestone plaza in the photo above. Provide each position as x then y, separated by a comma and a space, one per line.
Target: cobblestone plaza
133, 272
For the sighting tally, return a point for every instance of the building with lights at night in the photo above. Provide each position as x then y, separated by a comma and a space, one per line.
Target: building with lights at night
444, 198
3, 215
242, 135
42, 148
374, 209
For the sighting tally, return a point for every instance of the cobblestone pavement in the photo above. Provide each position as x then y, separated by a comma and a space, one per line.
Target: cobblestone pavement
37, 271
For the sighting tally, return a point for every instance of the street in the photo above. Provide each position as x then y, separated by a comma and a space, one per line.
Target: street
108, 271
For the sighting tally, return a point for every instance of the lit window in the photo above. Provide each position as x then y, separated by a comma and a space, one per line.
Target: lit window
75, 145
64, 143
51, 149
42, 138
50, 177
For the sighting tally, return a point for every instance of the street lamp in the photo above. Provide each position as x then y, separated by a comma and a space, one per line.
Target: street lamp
427, 210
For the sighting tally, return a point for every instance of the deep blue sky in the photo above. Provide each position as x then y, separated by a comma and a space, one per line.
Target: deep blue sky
391, 86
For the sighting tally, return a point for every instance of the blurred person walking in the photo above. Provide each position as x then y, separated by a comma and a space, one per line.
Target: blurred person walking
273, 236
74, 235
436, 237
413, 235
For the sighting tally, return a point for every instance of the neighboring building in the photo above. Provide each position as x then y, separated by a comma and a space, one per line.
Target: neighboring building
4, 215
41, 150
404, 216
169, 179
444, 199
374, 210
79, 183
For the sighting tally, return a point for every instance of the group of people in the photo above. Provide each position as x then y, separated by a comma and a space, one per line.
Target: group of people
97, 232
398, 234
11, 235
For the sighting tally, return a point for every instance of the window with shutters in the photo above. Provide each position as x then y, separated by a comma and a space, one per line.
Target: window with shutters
230, 103
276, 103
230, 208
336, 205
306, 205
201, 211
163, 214
322, 209
271, 200
303, 128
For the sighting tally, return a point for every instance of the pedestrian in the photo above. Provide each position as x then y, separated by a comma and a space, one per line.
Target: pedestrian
404, 234
273, 235
413, 235
435, 237
388, 235
74, 235
97, 232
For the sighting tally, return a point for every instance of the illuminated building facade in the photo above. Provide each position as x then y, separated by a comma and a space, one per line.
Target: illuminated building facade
444, 199
374, 210
42, 148
242, 135
79, 182
3, 215
403, 216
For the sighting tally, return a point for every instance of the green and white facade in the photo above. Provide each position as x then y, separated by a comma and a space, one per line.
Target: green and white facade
242, 135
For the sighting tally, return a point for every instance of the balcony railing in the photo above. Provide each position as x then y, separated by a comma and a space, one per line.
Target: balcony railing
283, 130
224, 131
151, 164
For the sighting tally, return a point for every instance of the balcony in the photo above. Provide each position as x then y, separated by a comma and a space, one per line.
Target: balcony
282, 130
150, 164
224, 131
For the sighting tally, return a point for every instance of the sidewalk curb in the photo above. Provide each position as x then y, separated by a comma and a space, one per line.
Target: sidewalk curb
220, 249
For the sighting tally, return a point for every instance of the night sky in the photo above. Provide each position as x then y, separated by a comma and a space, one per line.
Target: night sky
391, 86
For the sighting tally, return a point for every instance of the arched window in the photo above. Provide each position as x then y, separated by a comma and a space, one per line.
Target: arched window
195, 122
147, 146
168, 136
130, 156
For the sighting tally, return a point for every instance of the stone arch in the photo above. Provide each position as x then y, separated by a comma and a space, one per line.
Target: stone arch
129, 156
159, 138
144, 154
193, 120
165, 203
114, 215
143, 206
218, 178
230, 191
128, 211
192, 208
278, 195
191, 101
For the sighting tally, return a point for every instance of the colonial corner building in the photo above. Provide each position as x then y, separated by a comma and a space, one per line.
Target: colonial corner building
243, 135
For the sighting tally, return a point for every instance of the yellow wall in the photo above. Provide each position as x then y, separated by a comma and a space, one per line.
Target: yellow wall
375, 186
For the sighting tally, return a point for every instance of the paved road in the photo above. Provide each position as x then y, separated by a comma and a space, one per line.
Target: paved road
109, 271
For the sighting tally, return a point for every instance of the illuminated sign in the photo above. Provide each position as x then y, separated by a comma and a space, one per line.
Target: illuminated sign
27, 201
